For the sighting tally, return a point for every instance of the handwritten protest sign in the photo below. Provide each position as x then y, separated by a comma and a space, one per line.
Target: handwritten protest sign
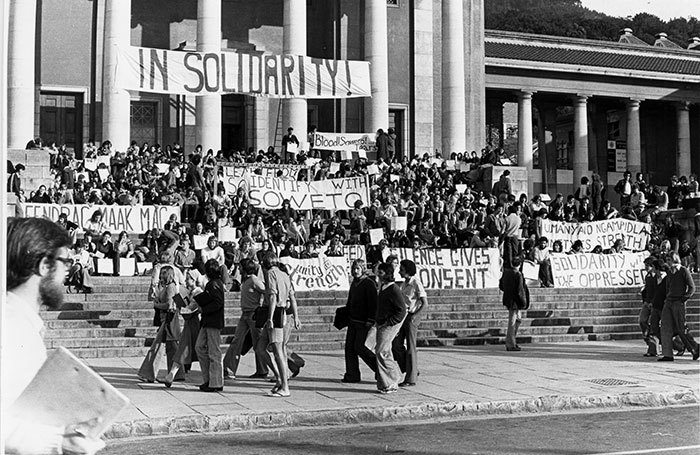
321, 273
163, 168
603, 233
598, 270
399, 223
200, 241
136, 218
242, 72
376, 236
234, 172
465, 268
103, 173
91, 164
332, 194
345, 142
103, 160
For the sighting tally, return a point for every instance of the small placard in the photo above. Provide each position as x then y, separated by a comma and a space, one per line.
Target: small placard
144, 268
399, 223
127, 267
335, 168
394, 177
103, 160
464, 167
104, 174
90, 164
451, 165
292, 147
104, 266
362, 154
163, 168
372, 169
461, 187
227, 234
200, 241
530, 270
437, 161
376, 235
345, 155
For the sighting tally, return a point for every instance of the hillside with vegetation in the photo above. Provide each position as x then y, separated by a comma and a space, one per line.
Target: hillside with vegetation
569, 18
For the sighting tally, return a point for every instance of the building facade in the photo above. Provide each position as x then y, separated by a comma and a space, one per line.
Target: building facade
565, 107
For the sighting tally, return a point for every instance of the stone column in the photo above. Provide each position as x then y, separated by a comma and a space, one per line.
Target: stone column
208, 107
116, 102
683, 147
634, 138
525, 136
20, 72
454, 126
377, 54
294, 111
475, 74
423, 99
580, 138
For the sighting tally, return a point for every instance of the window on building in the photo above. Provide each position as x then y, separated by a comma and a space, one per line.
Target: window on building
144, 122
394, 3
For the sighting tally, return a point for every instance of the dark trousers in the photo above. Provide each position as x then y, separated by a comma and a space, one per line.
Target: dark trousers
511, 249
404, 347
355, 349
673, 321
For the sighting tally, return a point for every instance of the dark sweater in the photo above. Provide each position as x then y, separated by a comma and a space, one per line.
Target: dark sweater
516, 295
391, 306
211, 301
362, 300
680, 286
649, 288
659, 294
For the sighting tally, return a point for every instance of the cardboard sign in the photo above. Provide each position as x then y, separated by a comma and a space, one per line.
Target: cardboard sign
200, 241
394, 177
531, 271
376, 235
335, 168
103, 159
461, 187
399, 223
163, 168
372, 169
104, 266
103, 173
227, 234
91, 164
144, 268
590, 270
127, 267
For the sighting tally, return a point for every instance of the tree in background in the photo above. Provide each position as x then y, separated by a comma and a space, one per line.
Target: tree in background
569, 18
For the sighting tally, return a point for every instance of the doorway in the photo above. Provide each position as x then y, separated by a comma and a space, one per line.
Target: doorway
61, 119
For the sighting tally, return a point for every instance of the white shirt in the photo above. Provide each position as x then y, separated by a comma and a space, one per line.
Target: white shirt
23, 353
413, 291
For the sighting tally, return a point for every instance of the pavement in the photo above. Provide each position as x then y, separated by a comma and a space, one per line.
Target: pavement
455, 382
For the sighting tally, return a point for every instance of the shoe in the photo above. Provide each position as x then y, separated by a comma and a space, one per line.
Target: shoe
680, 352
87, 290
649, 355
295, 373
665, 359
388, 390
514, 348
696, 353
211, 389
204, 386
258, 376
229, 376
350, 381
407, 384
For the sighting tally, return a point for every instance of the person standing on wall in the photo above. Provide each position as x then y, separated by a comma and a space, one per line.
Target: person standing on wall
679, 288
37, 265
516, 297
287, 139
362, 308
405, 349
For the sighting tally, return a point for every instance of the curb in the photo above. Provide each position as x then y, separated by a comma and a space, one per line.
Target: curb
198, 423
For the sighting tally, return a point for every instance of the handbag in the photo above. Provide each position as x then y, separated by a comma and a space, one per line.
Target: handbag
342, 318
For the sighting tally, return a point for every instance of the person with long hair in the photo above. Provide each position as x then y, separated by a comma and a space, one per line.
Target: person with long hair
405, 344
208, 347
362, 308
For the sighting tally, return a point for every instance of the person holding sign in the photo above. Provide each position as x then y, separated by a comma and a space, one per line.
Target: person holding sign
391, 311
37, 264
289, 138
516, 297
405, 349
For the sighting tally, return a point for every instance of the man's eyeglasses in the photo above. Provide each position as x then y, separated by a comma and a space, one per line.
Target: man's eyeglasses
65, 261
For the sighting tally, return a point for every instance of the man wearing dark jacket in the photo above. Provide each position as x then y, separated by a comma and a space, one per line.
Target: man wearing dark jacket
391, 311
208, 345
382, 145
516, 297
362, 308
679, 288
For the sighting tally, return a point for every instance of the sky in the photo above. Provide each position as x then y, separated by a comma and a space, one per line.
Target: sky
665, 9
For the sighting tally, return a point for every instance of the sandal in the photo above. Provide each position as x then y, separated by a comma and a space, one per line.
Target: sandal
276, 388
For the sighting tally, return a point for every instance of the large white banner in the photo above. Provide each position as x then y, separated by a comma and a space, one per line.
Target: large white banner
250, 73
465, 268
129, 218
234, 173
603, 233
318, 274
598, 270
332, 194
348, 142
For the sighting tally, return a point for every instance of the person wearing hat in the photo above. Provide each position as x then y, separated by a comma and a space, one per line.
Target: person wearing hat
289, 138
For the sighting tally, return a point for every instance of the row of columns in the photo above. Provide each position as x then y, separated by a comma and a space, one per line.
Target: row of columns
581, 165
